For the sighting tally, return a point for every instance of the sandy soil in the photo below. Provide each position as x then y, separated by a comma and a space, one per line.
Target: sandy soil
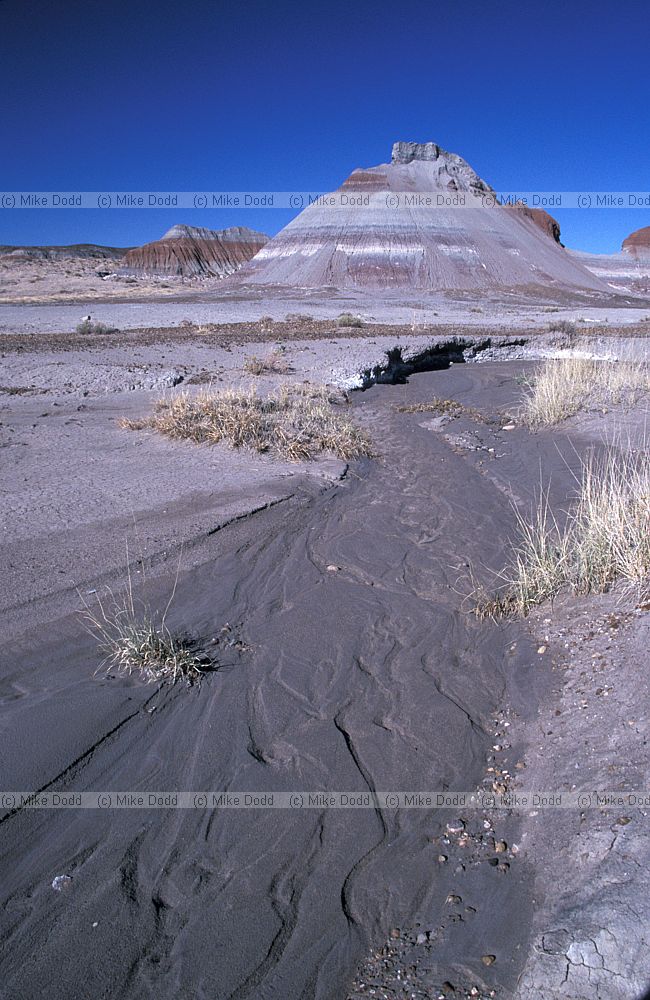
357, 668
173, 302
25, 280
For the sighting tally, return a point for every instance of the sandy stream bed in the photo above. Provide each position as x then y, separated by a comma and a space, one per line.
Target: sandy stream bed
358, 669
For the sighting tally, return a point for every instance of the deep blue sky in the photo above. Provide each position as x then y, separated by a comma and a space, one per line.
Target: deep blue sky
203, 94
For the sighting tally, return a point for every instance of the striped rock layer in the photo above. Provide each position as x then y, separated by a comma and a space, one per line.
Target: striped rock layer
621, 272
426, 220
637, 244
190, 251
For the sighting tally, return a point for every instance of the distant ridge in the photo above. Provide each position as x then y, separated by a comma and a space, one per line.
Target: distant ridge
90, 250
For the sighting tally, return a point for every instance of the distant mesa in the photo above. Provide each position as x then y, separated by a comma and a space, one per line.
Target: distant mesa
88, 251
190, 251
424, 221
637, 244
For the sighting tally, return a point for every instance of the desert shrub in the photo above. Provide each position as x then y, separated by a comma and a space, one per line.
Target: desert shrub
295, 422
565, 326
347, 319
272, 364
300, 318
88, 326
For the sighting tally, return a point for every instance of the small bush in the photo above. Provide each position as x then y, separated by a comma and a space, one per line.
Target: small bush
272, 364
300, 318
87, 326
565, 326
295, 423
347, 319
562, 388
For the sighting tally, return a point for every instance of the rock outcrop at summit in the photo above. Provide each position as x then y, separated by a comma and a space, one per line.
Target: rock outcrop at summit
637, 244
546, 222
424, 221
190, 251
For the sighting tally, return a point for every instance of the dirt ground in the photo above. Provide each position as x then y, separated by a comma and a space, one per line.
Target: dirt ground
334, 599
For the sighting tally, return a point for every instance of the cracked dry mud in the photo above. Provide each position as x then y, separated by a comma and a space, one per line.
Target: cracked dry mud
369, 677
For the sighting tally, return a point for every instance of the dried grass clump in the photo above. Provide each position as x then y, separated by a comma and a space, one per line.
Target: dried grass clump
273, 364
605, 538
295, 422
562, 388
134, 642
443, 407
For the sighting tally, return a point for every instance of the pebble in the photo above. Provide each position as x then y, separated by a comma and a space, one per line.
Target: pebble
333, 569
61, 882
456, 826
508, 427
488, 959
541, 649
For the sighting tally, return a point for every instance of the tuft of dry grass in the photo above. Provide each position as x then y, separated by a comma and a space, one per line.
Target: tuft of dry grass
133, 641
605, 538
563, 387
443, 407
295, 422
272, 364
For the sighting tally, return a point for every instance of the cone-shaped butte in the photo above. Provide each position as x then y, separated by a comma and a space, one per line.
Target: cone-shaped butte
426, 220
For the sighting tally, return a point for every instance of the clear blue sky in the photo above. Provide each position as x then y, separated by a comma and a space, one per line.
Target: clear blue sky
214, 94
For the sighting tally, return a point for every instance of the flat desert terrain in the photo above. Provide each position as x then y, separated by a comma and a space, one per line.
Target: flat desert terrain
334, 601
